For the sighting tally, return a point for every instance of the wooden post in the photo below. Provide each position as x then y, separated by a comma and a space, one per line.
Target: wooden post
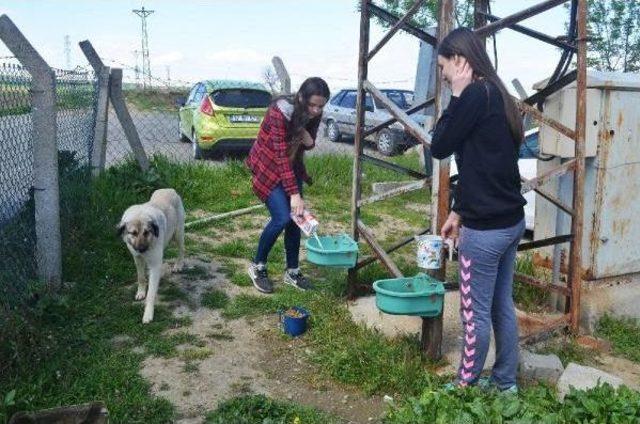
432, 327
575, 258
358, 143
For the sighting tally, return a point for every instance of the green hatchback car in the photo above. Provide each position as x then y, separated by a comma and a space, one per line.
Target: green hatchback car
222, 116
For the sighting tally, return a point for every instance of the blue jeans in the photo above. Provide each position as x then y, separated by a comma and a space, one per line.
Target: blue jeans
487, 262
279, 205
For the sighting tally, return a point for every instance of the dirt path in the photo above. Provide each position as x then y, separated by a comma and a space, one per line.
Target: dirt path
236, 357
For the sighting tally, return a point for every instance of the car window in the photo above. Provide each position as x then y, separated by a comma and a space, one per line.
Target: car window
349, 100
192, 93
369, 101
408, 97
336, 99
399, 98
241, 98
199, 94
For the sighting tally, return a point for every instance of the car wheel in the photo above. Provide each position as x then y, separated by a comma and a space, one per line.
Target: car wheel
183, 138
333, 132
387, 143
197, 152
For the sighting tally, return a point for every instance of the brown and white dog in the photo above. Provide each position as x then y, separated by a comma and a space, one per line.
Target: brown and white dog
147, 229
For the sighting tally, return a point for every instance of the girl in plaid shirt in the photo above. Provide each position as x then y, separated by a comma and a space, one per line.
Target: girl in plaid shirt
276, 161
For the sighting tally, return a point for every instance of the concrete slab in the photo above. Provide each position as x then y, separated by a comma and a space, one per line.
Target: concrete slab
583, 378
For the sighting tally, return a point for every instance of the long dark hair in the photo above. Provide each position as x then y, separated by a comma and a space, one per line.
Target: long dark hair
300, 119
464, 42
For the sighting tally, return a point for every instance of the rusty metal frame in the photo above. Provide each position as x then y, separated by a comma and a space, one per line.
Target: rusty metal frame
440, 181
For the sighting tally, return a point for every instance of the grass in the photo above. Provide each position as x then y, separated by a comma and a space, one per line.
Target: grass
154, 99
215, 299
80, 322
624, 335
527, 297
195, 354
250, 409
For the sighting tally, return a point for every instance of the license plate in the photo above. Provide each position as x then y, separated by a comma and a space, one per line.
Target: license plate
244, 119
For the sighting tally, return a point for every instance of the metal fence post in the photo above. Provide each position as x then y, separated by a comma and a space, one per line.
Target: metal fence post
45, 152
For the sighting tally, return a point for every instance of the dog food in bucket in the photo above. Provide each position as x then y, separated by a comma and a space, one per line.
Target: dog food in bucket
293, 313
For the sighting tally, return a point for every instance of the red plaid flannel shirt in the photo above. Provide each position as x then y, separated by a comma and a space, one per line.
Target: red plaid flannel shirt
268, 158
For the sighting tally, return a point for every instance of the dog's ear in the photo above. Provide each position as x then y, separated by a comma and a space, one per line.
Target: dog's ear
120, 228
154, 228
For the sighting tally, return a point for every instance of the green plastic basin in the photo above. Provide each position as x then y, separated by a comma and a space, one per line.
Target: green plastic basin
420, 295
339, 251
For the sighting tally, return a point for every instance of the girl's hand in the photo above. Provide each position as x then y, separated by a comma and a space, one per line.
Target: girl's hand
451, 228
306, 138
462, 77
297, 204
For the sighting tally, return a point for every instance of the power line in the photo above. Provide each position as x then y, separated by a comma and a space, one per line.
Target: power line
146, 63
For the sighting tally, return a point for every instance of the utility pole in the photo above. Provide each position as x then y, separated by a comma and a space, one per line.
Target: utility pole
168, 76
146, 64
67, 52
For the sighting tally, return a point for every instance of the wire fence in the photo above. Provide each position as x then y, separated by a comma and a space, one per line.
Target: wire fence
154, 112
75, 119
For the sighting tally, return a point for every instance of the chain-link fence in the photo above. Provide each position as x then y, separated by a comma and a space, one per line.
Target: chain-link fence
75, 117
154, 112
17, 227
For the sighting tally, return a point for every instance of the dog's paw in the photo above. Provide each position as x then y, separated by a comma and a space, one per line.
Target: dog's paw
146, 319
177, 267
140, 295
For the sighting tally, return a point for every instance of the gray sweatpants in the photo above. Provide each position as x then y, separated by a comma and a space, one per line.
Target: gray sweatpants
487, 261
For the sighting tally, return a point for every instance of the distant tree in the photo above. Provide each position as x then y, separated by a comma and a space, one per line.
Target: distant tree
271, 79
427, 15
614, 29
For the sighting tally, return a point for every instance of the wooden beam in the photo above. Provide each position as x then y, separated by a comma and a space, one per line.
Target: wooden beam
392, 19
358, 143
577, 223
386, 261
535, 34
526, 279
370, 259
494, 27
553, 199
392, 120
399, 24
412, 186
410, 125
534, 183
551, 88
540, 117
392, 166
544, 242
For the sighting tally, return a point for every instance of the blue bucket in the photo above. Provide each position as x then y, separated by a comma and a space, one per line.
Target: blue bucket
291, 325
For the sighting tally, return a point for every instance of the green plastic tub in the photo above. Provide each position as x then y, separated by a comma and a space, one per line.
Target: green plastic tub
421, 295
339, 251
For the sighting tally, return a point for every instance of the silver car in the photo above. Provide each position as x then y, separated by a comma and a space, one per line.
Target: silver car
340, 119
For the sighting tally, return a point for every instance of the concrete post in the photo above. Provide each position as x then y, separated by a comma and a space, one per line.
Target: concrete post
45, 152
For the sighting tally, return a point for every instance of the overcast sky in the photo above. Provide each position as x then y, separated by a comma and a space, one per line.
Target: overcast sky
194, 39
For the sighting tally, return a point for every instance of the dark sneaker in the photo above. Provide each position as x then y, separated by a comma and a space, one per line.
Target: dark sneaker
296, 279
259, 278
